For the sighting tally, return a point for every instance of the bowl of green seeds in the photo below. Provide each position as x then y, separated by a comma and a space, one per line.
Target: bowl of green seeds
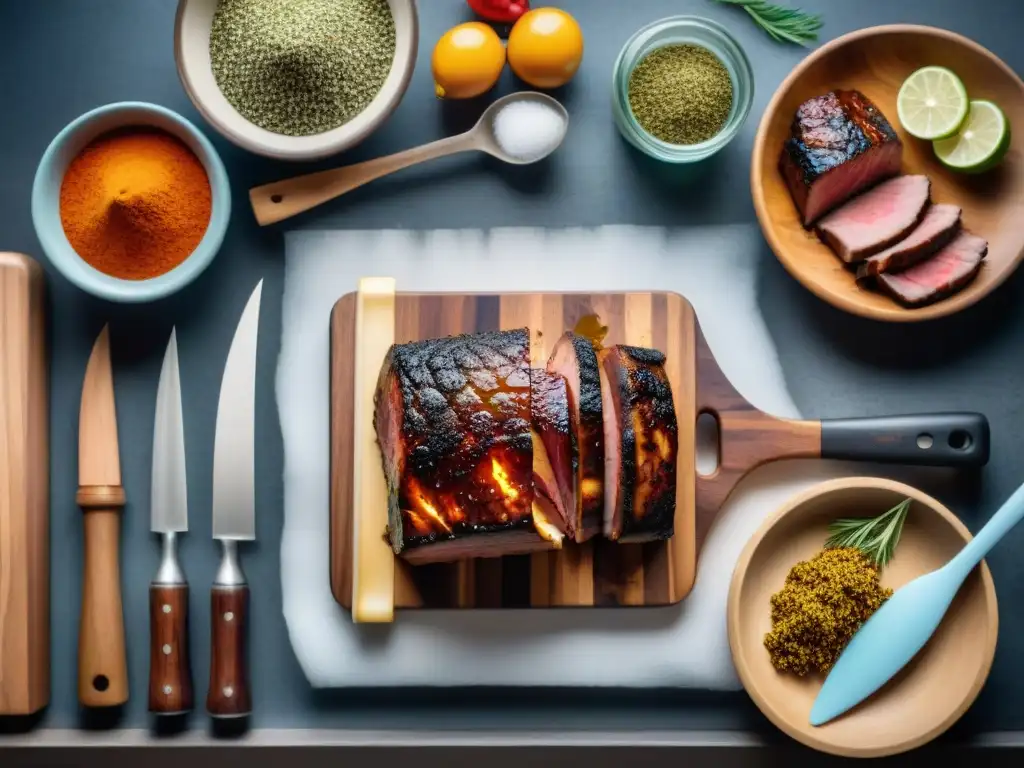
297, 80
682, 89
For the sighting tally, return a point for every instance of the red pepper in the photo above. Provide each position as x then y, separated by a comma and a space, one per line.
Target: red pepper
503, 11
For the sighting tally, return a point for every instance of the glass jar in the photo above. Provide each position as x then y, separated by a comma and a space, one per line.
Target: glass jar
676, 30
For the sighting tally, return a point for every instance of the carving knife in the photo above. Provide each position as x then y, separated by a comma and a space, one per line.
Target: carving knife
170, 672
234, 518
102, 666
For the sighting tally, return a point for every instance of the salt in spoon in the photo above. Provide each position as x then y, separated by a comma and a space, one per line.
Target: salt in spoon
283, 199
900, 628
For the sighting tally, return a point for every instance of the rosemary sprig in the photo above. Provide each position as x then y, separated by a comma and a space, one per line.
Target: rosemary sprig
876, 537
782, 23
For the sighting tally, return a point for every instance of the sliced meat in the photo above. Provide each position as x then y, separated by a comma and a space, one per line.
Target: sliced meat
939, 226
876, 219
641, 444
575, 359
556, 460
839, 145
942, 275
452, 417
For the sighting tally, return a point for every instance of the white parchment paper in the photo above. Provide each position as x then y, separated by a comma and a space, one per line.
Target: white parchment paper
677, 646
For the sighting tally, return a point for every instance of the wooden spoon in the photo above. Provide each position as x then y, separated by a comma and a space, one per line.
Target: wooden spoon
283, 199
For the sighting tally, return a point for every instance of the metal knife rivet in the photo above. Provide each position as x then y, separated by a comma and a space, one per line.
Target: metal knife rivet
167, 649
229, 691
167, 689
167, 608
229, 616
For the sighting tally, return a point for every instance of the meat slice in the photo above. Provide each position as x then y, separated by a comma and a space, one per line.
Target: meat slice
939, 226
555, 454
942, 275
641, 444
839, 145
575, 359
876, 219
452, 417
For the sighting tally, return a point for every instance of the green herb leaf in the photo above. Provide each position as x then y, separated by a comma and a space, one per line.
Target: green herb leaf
876, 537
782, 23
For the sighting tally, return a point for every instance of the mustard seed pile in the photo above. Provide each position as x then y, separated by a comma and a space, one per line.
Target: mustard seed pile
681, 94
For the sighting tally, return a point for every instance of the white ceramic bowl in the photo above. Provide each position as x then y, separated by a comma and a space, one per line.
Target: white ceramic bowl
192, 53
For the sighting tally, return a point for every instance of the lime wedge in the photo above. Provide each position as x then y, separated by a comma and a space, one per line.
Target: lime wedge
932, 103
981, 142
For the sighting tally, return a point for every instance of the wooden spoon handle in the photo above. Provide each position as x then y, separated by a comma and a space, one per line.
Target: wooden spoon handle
281, 200
102, 666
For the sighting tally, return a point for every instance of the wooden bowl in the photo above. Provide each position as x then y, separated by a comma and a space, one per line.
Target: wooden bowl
876, 61
931, 692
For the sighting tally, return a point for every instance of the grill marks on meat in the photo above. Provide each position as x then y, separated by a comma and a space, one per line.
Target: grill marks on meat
876, 219
575, 359
555, 453
942, 275
641, 441
840, 144
453, 420
940, 225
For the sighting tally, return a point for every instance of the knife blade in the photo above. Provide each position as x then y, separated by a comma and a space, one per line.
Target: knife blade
102, 665
170, 674
234, 517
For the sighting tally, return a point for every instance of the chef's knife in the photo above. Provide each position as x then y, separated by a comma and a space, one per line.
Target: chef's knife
170, 672
102, 667
234, 517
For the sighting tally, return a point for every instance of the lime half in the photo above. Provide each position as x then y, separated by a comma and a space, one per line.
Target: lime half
981, 142
932, 103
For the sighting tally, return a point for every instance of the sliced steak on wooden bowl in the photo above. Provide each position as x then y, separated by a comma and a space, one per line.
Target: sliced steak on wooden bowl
942, 275
876, 219
839, 145
939, 226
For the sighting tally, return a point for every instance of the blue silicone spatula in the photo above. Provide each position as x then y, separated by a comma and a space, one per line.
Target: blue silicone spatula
901, 627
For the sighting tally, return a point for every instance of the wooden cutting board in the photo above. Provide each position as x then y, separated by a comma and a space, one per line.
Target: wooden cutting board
597, 573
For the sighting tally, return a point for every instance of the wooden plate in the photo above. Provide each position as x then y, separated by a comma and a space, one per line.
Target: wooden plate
930, 693
876, 61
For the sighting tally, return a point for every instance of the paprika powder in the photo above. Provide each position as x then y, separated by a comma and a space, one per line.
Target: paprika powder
135, 203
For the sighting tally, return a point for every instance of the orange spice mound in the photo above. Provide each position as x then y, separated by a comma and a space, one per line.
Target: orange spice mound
135, 203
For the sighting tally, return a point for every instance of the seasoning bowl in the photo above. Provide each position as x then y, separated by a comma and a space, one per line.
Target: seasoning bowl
192, 53
46, 201
676, 30
930, 693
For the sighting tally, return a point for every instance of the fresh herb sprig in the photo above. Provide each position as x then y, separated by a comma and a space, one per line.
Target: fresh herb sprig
876, 537
782, 23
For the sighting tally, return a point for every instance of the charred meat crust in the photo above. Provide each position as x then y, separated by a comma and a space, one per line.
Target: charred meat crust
450, 414
555, 424
649, 442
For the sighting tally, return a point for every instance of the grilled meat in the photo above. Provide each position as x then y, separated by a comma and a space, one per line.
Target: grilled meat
641, 444
555, 455
575, 359
876, 219
452, 418
940, 225
840, 144
942, 275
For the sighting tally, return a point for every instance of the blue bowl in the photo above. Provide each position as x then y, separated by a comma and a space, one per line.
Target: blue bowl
46, 201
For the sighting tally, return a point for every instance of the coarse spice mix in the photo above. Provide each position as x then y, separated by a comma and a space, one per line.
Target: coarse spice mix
681, 94
301, 67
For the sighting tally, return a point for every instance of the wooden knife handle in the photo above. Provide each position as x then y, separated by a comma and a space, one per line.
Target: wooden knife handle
170, 670
102, 666
229, 694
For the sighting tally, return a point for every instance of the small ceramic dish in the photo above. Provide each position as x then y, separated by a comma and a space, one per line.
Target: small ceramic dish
46, 201
192, 53
876, 61
678, 30
930, 693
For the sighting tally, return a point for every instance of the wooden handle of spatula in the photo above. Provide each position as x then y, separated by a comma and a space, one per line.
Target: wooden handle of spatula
102, 664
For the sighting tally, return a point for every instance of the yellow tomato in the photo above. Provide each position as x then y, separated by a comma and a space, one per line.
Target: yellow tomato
467, 61
545, 47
